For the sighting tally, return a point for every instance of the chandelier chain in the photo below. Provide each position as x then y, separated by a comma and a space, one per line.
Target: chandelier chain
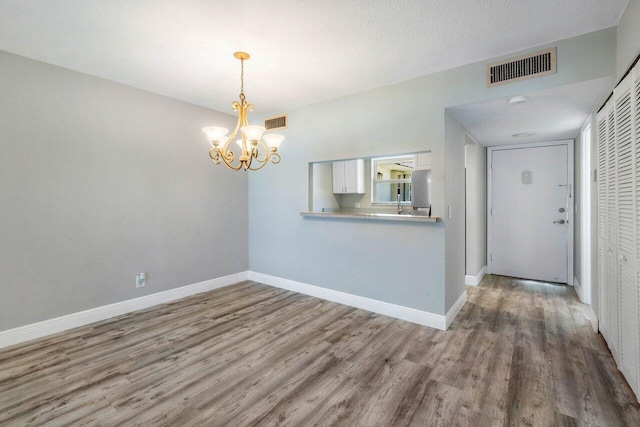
242, 79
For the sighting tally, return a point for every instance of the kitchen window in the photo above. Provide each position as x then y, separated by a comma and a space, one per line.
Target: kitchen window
391, 179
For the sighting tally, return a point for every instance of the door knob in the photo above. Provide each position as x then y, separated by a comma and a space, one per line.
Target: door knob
560, 221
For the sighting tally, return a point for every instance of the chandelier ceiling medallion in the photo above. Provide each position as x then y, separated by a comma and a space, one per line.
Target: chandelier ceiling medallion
256, 149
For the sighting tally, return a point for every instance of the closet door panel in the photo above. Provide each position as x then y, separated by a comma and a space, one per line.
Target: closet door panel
626, 186
602, 225
612, 239
636, 149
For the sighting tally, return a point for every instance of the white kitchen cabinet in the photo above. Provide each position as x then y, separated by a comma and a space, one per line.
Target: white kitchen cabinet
348, 177
423, 161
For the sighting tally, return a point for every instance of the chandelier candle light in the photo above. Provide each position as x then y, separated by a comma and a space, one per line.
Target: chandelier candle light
255, 153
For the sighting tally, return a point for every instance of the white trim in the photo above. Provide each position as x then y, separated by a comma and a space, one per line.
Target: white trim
576, 284
82, 318
570, 206
475, 280
593, 319
413, 315
455, 309
585, 208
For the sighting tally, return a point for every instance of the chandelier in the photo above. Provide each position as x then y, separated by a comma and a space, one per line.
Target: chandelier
256, 149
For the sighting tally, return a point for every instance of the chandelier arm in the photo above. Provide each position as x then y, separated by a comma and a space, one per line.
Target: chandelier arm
265, 151
233, 168
216, 154
230, 139
262, 164
215, 158
232, 136
249, 158
228, 164
275, 159
220, 156
228, 156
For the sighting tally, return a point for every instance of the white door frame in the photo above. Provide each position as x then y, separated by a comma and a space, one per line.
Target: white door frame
570, 205
585, 211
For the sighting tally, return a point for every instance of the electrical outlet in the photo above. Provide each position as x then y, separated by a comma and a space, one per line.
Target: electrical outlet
141, 280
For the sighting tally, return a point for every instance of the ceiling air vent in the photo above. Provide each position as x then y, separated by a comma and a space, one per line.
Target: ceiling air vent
523, 67
276, 122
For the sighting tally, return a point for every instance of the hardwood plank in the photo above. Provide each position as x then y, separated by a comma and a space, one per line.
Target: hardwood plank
530, 398
468, 418
436, 404
486, 389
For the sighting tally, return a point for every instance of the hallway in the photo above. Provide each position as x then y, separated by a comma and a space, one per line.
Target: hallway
549, 367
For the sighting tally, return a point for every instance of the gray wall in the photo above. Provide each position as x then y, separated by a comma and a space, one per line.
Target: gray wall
100, 181
454, 137
628, 31
398, 263
476, 206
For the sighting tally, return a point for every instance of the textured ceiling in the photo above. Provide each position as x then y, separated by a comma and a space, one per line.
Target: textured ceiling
551, 114
303, 51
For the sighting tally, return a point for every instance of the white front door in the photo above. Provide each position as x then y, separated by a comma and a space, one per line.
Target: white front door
530, 211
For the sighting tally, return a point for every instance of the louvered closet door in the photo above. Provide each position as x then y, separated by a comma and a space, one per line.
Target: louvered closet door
626, 189
602, 225
636, 149
612, 238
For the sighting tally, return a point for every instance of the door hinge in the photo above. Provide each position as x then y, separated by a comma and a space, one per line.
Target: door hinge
491, 257
595, 175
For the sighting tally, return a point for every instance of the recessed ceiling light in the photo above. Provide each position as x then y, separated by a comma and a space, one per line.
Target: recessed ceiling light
517, 100
523, 134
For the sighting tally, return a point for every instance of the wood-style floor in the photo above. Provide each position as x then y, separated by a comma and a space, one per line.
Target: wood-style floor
519, 353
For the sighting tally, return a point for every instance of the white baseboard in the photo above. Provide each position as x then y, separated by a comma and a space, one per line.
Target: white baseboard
63, 323
455, 309
413, 315
593, 319
82, 318
475, 280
